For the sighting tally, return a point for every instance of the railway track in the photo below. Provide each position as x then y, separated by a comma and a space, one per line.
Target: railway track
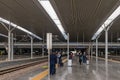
19, 67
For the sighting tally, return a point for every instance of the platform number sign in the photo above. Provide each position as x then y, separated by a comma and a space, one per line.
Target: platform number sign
49, 40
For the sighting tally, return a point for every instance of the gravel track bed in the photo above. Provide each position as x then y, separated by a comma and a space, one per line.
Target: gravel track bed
17, 62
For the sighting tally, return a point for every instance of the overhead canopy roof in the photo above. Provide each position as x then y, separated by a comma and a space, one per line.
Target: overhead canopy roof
81, 18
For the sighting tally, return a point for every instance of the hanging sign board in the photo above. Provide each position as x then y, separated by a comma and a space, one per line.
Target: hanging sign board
49, 40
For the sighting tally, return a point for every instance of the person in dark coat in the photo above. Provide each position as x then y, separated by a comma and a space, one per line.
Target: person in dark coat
80, 58
53, 61
59, 55
70, 55
84, 58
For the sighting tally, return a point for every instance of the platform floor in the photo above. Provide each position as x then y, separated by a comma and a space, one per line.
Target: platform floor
95, 71
45, 78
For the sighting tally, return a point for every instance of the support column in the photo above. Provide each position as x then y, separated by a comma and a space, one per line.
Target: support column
106, 41
12, 51
9, 44
68, 47
43, 46
31, 47
91, 49
106, 45
49, 47
96, 49
106, 53
43, 49
9, 29
96, 54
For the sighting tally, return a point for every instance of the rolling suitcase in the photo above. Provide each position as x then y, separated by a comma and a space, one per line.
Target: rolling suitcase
88, 62
69, 62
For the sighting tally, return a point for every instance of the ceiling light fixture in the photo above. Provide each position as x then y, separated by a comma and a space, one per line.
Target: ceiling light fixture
51, 12
19, 27
107, 22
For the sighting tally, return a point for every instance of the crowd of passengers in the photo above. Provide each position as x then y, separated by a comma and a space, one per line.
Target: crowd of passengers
56, 60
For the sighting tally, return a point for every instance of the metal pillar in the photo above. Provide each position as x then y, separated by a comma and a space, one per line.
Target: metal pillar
91, 49
43, 46
96, 49
106, 71
43, 49
96, 54
12, 49
31, 47
111, 37
106, 42
68, 47
49, 64
49, 47
9, 45
106, 50
106, 45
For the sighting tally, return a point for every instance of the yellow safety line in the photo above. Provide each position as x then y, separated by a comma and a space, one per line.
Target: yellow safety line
110, 60
43, 74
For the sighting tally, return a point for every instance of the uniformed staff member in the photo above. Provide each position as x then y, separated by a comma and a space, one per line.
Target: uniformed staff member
53, 61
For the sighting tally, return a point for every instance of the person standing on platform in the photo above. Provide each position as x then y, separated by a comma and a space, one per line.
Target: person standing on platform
53, 61
70, 59
84, 58
59, 56
80, 58
71, 55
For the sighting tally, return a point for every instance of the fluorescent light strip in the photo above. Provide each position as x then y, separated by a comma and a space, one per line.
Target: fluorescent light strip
110, 19
19, 27
57, 22
51, 12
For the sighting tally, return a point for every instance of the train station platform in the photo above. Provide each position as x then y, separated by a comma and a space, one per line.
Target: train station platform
94, 71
